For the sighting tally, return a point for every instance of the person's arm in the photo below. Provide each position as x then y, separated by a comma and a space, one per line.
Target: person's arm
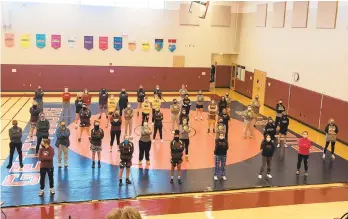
327, 129
262, 146
89, 114
336, 130
132, 148
58, 133
9, 133
48, 157
227, 145
102, 134
20, 132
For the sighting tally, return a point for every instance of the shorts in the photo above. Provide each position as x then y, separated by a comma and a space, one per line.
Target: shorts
95, 148
125, 163
103, 106
33, 125
176, 161
140, 100
212, 121
199, 106
85, 125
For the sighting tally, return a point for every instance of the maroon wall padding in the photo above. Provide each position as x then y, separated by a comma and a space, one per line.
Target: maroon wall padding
275, 91
245, 87
55, 77
223, 76
336, 109
305, 105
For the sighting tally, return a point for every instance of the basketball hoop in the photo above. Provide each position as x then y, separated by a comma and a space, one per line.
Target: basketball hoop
204, 8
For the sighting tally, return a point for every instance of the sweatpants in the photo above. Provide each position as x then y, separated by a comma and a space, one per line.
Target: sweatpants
268, 161
43, 172
153, 115
128, 126
301, 157
220, 163
18, 147
145, 118
38, 143
332, 146
157, 128
144, 148
113, 134
226, 134
186, 143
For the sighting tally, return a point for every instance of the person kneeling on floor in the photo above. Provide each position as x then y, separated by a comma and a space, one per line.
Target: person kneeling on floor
220, 152
126, 155
177, 148
267, 148
46, 154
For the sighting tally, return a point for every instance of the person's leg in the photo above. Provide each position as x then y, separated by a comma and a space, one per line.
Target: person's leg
223, 164
264, 159
76, 118
141, 151
20, 155
69, 107
118, 135
179, 173
126, 122
284, 137
42, 177
143, 118
155, 132
251, 129
172, 119
333, 143
51, 178
93, 156
60, 150
99, 155
326, 146
138, 108
128, 174
305, 161
120, 174
209, 124
66, 155
130, 126
12, 150
226, 135
187, 143
39, 139
112, 134
217, 164
245, 129
172, 173
299, 161
121, 111
160, 131
269, 161
177, 121
147, 150
81, 130
279, 139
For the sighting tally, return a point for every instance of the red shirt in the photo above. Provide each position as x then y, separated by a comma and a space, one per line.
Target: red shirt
304, 145
46, 157
87, 99
66, 97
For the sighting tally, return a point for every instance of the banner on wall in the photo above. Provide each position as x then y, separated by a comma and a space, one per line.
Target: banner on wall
40, 40
88, 42
145, 46
56, 41
72, 42
9, 40
132, 45
118, 43
103, 43
25, 41
172, 45
158, 44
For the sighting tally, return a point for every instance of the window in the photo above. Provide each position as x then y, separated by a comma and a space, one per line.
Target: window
240, 72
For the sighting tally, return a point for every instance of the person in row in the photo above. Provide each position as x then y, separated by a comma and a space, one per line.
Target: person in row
46, 154
177, 148
123, 101
270, 129
126, 155
156, 103
112, 104
225, 118
331, 131
87, 98
255, 106
212, 113
183, 115
42, 131
175, 114
267, 148
220, 128
280, 108
96, 137
115, 129
220, 155
140, 97
222, 104
183, 91
85, 120
62, 143
186, 104
146, 109
229, 101
128, 119
39, 94
249, 116
158, 92
15, 134
103, 102
145, 143
78, 107
185, 131
199, 105
66, 97
158, 124
283, 128
34, 117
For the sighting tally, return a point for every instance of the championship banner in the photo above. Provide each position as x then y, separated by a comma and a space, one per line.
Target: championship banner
56, 41
103, 43
158, 44
9, 40
72, 42
88, 42
40, 40
118, 43
146, 46
172, 45
132, 45
25, 41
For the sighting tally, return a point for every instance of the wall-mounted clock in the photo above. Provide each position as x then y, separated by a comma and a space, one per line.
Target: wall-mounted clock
296, 76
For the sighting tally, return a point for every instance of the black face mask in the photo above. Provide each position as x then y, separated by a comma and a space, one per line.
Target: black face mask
175, 102
96, 126
84, 108
284, 116
176, 139
35, 106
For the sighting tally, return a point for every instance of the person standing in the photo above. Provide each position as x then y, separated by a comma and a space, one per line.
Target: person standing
103, 102
42, 131
46, 155
185, 131
158, 124
15, 134
220, 152
176, 151
212, 72
220, 128
283, 129
128, 119
331, 131
280, 108
78, 108
140, 97
158, 92
123, 100
145, 143
39, 94
97, 135
212, 112
156, 103
175, 113
183, 116
34, 117
186, 104
112, 102
63, 143
248, 121
182, 93
267, 148
199, 104
126, 155
226, 118
85, 120
146, 109
87, 98
255, 106
270, 130
222, 104
304, 146
66, 96
115, 130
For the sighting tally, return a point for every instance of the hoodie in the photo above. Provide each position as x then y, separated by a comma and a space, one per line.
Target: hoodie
221, 147
46, 157
267, 148
42, 128
141, 95
34, 113
103, 97
270, 129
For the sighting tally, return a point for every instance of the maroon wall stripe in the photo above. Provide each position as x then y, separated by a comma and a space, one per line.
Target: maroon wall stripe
223, 76
276, 90
245, 87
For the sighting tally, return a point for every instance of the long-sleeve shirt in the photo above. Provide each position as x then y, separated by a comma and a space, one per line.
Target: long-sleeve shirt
184, 131
221, 147
66, 96
39, 96
176, 149
158, 92
126, 150
186, 103
283, 124
15, 134
200, 99
145, 134
212, 111
279, 109
248, 115
222, 105
128, 113
78, 105
304, 146
42, 128
97, 136
34, 113
46, 157
270, 129
87, 99
116, 122
146, 107
182, 117
174, 109
225, 118
267, 148
123, 100
112, 102
63, 137
158, 118
331, 129
103, 97
141, 95
183, 92
85, 117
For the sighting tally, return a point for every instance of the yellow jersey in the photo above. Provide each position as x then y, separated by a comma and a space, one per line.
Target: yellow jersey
156, 103
146, 107
112, 105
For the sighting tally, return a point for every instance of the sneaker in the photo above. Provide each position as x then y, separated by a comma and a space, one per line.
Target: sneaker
179, 181
286, 145
161, 141
99, 117
260, 176
186, 157
59, 165
251, 137
215, 178
171, 181
93, 164
153, 141
128, 181
269, 175
333, 157
323, 156
278, 145
195, 118
148, 162
79, 140
52, 191
224, 178
120, 183
41, 193
20, 169
244, 137
306, 174
213, 130
208, 131
297, 172
9, 166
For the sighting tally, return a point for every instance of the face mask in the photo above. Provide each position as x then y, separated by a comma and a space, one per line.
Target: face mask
126, 141
96, 125
176, 139
42, 118
212, 102
39, 89
145, 124
123, 91
35, 106
84, 108
280, 102
249, 109
66, 90
63, 127
284, 116
268, 139
175, 102
129, 106
270, 122
184, 113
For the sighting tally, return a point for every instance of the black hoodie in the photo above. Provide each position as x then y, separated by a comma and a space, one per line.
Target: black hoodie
267, 148
270, 129
141, 95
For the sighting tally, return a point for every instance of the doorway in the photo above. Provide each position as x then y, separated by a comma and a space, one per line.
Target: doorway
233, 76
259, 85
